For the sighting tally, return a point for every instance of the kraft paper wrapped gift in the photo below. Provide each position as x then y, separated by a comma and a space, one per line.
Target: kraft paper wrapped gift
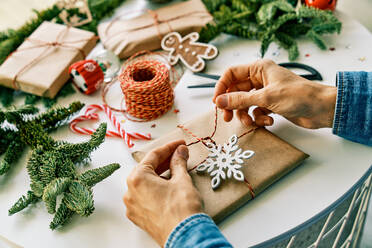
273, 159
41, 68
126, 37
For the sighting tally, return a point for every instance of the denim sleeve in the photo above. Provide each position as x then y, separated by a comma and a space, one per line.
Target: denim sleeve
197, 231
353, 113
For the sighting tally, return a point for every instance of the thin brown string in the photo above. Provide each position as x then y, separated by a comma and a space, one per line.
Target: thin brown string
210, 138
47, 45
157, 22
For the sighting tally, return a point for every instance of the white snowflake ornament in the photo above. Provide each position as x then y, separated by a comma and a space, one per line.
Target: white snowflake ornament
224, 161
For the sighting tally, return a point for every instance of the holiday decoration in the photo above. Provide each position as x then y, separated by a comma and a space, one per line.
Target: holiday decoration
74, 20
12, 144
222, 163
270, 21
186, 49
11, 39
88, 75
90, 114
273, 158
51, 166
145, 32
39, 65
322, 4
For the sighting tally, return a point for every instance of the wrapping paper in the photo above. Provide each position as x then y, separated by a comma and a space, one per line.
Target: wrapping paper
272, 160
48, 70
126, 37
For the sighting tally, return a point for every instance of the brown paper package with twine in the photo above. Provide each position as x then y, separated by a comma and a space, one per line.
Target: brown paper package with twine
126, 37
273, 159
40, 65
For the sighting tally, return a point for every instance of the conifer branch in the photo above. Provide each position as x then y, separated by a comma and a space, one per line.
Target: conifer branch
94, 176
55, 188
23, 202
270, 21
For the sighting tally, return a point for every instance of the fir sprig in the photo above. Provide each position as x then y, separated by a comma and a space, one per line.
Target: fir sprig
51, 166
270, 21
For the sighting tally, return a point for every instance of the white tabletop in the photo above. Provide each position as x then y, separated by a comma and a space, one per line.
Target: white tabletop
334, 165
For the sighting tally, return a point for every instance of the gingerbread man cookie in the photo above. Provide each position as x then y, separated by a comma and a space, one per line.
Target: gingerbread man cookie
186, 49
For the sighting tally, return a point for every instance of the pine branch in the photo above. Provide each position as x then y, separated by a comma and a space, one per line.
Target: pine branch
23, 202
316, 39
80, 199
55, 188
62, 215
94, 176
267, 11
53, 118
209, 32
288, 43
6, 96
79, 152
11, 156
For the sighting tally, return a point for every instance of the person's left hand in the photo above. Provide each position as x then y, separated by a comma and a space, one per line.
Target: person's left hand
158, 205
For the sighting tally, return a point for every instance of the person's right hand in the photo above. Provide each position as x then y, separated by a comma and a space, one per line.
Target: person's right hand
273, 88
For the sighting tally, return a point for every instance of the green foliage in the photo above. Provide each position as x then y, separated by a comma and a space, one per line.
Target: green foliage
62, 215
79, 199
270, 21
23, 202
12, 143
51, 166
8, 95
55, 188
94, 176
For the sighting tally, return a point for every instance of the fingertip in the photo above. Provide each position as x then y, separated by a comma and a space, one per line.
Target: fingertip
264, 120
247, 120
228, 115
183, 152
222, 101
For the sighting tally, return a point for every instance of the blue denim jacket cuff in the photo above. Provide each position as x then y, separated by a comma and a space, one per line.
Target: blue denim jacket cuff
198, 230
353, 112
184, 226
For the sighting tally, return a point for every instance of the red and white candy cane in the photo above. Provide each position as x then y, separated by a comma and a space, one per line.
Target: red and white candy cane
90, 114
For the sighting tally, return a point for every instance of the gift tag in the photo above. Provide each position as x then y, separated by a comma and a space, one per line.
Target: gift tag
191, 53
224, 161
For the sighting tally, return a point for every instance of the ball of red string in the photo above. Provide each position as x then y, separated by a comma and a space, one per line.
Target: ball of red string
147, 89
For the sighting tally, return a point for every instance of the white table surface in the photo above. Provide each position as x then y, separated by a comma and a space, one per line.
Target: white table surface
334, 165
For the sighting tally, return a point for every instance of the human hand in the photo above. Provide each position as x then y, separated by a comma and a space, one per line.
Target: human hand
273, 88
158, 205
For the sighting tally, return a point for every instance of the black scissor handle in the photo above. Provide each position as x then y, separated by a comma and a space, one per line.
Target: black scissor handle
315, 75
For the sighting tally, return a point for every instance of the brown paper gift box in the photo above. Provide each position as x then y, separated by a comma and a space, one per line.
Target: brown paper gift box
273, 159
126, 37
49, 71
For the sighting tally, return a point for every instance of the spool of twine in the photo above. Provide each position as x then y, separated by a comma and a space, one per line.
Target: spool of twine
147, 89
147, 85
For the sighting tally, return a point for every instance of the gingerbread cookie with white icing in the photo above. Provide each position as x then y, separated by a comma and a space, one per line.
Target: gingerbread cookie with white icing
186, 49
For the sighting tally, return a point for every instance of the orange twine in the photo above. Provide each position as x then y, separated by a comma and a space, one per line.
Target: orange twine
147, 90
147, 86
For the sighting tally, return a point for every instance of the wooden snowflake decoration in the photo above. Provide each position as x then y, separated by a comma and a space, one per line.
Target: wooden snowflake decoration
224, 161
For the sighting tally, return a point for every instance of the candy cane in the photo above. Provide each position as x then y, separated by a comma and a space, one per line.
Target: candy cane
90, 114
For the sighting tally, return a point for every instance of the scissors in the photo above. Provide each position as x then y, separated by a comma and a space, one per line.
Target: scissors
312, 75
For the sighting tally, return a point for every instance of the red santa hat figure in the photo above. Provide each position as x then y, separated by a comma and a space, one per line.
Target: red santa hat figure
87, 75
